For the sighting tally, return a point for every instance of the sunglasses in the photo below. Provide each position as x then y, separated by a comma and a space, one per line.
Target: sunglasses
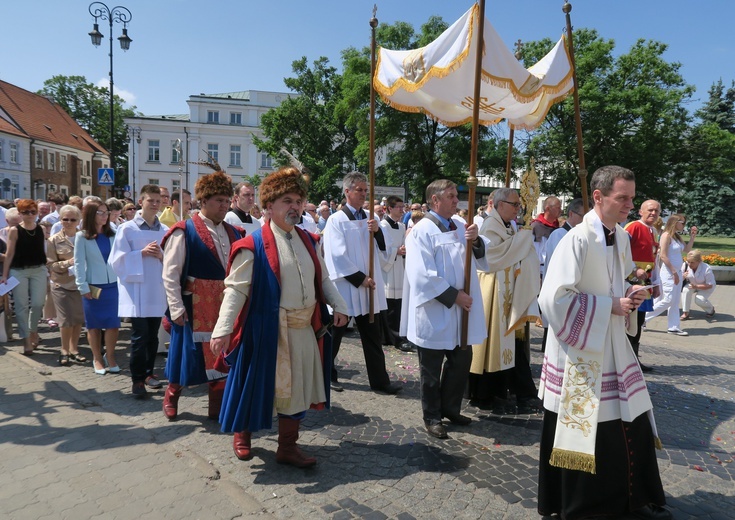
101, 213
68, 220
29, 212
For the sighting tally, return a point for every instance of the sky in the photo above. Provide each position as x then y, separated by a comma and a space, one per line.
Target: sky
187, 47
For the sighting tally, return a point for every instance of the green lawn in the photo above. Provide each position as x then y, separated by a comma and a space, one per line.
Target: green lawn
708, 245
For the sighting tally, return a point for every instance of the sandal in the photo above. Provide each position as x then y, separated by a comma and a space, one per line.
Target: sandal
64, 360
77, 357
684, 316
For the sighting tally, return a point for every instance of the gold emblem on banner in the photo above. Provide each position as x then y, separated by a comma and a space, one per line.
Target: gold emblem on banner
486, 107
414, 68
529, 193
507, 356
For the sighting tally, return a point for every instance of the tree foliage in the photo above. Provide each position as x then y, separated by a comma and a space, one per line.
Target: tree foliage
633, 114
709, 171
89, 105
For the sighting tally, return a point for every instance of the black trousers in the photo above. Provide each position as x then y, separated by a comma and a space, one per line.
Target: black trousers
635, 341
372, 349
442, 388
518, 379
143, 347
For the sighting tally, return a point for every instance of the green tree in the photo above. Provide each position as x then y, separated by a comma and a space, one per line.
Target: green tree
709, 197
308, 126
720, 107
89, 105
633, 114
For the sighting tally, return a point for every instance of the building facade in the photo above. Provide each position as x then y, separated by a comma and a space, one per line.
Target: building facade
164, 150
42, 149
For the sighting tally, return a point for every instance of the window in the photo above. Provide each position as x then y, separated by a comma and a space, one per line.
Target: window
62, 166
212, 116
14, 153
213, 150
52, 161
175, 185
2, 157
153, 181
86, 167
235, 154
235, 118
64, 190
154, 150
175, 155
265, 161
39, 159
85, 180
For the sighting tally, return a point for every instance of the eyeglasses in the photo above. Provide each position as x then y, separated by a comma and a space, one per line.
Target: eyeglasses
102, 212
29, 212
68, 220
516, 205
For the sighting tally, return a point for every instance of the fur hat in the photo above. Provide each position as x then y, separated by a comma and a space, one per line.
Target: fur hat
217, 183
277, 184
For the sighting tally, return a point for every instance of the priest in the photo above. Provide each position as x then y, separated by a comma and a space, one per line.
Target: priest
599, 437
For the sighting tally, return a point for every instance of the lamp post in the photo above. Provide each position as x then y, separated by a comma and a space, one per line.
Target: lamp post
133, 137
118, 14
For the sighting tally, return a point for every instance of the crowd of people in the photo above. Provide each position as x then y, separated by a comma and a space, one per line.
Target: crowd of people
257, 300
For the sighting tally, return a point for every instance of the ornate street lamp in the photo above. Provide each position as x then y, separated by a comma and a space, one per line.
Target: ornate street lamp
118, 14
134, 137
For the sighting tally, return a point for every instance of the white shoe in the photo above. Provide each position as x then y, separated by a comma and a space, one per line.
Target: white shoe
678, 332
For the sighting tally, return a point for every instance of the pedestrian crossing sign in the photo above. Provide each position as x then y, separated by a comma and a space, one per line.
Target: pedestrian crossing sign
105, 176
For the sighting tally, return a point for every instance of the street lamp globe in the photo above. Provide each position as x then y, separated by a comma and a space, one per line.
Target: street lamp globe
125, 40
97, 36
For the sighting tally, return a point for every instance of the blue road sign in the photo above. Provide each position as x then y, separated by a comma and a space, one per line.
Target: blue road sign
105, 176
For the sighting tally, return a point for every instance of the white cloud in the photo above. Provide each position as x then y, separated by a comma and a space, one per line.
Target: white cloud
126, 95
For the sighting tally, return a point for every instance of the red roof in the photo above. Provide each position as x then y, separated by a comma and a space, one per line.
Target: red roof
44, 120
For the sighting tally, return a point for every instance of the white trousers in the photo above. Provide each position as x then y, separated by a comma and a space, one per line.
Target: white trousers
701, 298
668, 301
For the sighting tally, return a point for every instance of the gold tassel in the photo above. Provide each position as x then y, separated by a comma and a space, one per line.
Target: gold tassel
282, 403
657, 442
573, 460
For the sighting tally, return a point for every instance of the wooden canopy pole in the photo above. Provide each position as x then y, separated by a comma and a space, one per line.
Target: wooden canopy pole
567, 8
472, 179
371, 161
511, 135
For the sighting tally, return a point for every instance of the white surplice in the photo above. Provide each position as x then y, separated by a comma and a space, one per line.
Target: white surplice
435, 262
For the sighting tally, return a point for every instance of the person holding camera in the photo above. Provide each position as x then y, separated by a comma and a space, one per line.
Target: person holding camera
699, 285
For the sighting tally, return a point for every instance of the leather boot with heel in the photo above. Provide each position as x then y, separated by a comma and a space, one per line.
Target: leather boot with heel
171, 401
241, 445
288, 452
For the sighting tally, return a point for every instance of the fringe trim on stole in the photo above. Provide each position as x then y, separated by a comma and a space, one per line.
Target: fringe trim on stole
573, 460
282, 403
657, 443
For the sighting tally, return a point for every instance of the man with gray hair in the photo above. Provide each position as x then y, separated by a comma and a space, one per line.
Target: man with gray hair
509, 293
346, 254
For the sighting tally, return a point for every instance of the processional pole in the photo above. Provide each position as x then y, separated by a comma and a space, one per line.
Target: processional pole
511, 135
567, 8
371, 162
472, 179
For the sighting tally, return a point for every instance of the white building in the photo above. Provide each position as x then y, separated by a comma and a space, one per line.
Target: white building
222, 125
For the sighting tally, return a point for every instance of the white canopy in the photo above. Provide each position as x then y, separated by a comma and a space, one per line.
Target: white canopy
438, 79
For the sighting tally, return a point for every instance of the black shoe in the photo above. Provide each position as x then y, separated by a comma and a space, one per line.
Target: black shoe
652, 512
530, 405
436, 430
646, 368
139, 391
459, 419
392, 389
406, 346
336, 386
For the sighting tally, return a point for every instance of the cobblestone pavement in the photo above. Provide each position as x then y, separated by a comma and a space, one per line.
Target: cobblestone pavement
375, 459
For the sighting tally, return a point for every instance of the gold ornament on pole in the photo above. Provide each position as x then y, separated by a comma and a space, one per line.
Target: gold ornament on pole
529, 193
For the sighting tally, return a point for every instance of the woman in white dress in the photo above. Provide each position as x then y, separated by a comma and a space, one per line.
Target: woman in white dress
672, 250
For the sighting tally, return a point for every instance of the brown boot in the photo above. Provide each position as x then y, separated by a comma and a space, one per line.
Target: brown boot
241, 445
216, 391
171, 401
288, 452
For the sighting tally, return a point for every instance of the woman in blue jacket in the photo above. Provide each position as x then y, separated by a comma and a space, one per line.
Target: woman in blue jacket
97, 283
